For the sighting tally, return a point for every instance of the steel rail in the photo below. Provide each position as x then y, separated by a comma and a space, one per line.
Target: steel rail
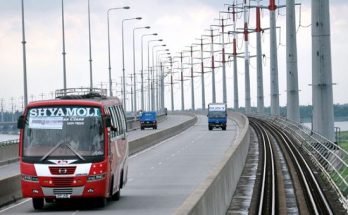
309, 186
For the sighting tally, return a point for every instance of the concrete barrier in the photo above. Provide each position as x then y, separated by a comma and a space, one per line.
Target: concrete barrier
214, 195
8, 152
10, 189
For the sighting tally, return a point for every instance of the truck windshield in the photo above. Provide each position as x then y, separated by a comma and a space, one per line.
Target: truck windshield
216, 114
63, 131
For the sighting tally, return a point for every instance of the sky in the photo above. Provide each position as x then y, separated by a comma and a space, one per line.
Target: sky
177, 22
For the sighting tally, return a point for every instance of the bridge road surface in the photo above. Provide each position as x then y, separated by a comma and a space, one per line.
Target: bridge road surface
160, 178
172, 120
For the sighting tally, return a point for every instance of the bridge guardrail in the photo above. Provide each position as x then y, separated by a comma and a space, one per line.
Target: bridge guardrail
326, 155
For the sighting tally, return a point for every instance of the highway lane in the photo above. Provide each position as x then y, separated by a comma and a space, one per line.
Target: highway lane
160, 178
172, 120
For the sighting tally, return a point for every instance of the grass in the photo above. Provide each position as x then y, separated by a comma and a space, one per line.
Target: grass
344, 140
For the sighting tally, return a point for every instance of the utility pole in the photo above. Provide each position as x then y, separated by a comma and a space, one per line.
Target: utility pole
202, 75
182, 83
192, 82
171, 83
2, 110
212, 60
293, 109
12, 109
235, 70
260, 96
192, 76
224, 88
246, 63
275, 110
323, 117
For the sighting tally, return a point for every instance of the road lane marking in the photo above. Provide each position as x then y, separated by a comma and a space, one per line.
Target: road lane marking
6, 209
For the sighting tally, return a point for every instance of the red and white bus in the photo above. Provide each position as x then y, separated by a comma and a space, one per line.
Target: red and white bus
74, 146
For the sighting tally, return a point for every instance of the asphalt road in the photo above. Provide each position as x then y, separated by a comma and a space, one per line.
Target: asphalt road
160, 178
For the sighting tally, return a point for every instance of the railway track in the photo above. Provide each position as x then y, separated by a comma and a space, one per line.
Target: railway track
272, 194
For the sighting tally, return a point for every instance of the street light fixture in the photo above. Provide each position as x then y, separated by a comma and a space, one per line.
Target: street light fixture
123, 69
142, 69
134, 79
108, 14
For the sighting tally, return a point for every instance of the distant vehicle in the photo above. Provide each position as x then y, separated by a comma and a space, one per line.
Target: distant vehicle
166, 111
217, 116
74, 146
148, 120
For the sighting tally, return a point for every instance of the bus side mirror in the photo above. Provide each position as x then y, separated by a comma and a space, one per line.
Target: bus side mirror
107, 121
21, 122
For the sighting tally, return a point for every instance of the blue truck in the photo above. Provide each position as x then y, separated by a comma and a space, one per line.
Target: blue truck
148, 119
217, 116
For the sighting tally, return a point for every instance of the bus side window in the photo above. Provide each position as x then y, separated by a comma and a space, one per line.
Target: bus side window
114, 115
119, 120
122, 118
113, 123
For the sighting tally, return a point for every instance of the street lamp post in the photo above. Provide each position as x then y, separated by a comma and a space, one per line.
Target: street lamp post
134, 79
64, 53
148, 68
123, 69
90, 47
142, 69
153, 77
159, 74
24, 59
109, 55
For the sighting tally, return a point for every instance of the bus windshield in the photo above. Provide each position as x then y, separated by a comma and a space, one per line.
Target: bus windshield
63, 131
216, 114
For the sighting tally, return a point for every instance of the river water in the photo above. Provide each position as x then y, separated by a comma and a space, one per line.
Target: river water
342, 125
5, 137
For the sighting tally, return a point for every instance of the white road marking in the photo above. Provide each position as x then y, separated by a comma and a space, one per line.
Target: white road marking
24, 201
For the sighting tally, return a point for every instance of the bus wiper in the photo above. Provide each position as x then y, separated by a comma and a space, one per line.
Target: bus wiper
51, 151
75, 152
57, 146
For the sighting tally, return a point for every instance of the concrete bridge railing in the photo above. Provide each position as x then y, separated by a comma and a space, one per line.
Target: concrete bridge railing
214, 195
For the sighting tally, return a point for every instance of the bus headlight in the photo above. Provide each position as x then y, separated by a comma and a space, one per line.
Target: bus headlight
95, 177
30, 178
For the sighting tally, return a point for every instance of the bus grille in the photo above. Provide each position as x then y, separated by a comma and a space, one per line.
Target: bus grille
62, 182
57, 191
62, 170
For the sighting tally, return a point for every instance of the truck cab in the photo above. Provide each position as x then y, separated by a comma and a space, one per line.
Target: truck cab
148, 120
217, 116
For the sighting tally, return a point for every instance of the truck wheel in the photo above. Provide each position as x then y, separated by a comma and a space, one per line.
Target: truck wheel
142, 128
210, 128
38, 203
155, 127
224, 128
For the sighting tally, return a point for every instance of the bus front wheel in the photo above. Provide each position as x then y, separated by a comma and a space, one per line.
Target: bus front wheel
38, 203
